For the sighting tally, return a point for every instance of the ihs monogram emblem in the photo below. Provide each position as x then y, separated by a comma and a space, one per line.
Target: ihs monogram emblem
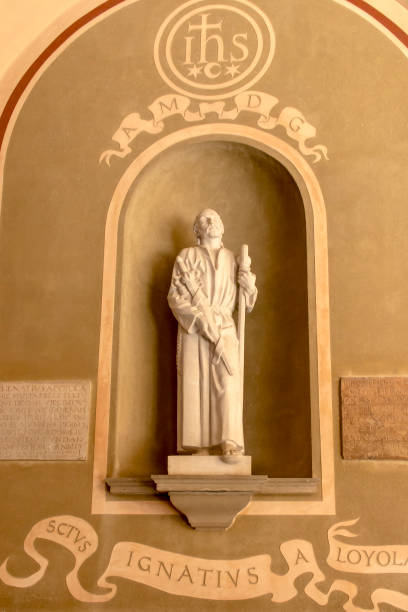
208, 53
214, 51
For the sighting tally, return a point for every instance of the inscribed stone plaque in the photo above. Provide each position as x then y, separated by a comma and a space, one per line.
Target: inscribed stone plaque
44, 420
375, 417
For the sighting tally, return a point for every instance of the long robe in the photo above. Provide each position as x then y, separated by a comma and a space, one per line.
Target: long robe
208, 397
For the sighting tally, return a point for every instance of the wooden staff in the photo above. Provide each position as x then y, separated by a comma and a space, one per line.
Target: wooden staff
244, 264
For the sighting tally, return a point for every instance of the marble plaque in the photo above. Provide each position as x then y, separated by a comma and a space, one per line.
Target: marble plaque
44, 420
374, 417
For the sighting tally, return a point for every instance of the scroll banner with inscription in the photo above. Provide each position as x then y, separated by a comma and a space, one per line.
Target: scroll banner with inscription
364, 559
291, 119
238, 579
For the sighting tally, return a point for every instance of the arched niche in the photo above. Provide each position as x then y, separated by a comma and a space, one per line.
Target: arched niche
279, 211
260, 204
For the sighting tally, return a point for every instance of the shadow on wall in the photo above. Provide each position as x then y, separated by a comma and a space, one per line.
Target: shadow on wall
166, 326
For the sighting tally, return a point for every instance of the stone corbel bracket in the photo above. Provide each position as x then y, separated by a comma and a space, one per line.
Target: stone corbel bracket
210, 503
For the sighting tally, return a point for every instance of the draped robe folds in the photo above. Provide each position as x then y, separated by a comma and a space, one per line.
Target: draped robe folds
209, 402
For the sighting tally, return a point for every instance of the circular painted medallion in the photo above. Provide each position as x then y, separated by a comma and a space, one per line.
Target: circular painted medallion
212, 51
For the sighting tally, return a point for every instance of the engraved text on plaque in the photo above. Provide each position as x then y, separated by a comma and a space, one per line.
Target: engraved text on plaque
375, 417
44, 420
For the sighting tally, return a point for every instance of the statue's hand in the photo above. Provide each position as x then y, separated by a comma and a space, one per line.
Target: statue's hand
247, 280
203, 328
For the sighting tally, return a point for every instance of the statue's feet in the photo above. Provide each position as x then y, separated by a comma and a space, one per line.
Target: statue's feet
231, 452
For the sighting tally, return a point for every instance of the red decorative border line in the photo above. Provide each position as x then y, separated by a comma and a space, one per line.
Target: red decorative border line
79, 23
42, 58
385, 21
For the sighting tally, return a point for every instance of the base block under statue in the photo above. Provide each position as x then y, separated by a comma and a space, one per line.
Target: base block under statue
207, 465
207, 490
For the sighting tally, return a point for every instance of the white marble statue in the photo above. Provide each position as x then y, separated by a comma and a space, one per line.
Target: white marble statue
203, 296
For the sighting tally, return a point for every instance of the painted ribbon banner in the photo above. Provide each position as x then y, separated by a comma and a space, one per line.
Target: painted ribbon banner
238, 579
346, 557
259, 103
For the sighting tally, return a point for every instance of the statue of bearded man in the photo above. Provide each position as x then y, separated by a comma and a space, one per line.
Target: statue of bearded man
202, 297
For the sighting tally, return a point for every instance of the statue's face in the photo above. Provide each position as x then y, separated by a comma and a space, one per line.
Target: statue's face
210, 224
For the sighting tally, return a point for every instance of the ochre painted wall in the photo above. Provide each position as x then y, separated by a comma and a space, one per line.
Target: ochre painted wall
351, 83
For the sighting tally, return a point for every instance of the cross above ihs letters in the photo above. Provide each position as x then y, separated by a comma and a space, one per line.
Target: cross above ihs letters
212, 50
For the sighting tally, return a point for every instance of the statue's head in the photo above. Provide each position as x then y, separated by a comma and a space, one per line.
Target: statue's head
208, 223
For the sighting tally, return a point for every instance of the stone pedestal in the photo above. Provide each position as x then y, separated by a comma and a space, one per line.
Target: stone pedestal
207, 465
207, 490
